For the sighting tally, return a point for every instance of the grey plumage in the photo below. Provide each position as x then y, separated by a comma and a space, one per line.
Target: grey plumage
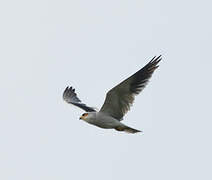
118, 100
70, 96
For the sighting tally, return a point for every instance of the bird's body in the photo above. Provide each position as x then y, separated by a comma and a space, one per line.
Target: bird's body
102, 120
118, 100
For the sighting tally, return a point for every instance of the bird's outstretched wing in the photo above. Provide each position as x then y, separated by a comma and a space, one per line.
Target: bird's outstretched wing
70, 97
120, 98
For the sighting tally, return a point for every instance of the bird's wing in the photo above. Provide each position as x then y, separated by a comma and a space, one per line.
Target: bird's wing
70, 97
120, 98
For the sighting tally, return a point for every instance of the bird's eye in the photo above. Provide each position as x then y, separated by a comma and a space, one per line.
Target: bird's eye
85, 114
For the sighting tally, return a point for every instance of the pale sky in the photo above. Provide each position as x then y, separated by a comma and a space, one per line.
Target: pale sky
93, 45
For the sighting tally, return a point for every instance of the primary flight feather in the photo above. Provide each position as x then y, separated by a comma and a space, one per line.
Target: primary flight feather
118, 100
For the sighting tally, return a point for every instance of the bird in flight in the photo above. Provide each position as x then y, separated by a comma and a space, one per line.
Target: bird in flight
117, 102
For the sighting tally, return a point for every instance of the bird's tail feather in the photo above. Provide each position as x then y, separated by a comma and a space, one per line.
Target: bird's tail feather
127, 129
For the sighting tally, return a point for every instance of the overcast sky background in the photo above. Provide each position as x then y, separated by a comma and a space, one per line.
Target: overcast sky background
93, 45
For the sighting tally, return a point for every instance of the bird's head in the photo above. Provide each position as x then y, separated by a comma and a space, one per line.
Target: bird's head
90, 116
84, 116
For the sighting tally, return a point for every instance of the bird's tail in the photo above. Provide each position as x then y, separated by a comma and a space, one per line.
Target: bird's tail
127, 129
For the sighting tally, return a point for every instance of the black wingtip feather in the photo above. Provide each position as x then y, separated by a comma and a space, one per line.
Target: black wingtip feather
143, 75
